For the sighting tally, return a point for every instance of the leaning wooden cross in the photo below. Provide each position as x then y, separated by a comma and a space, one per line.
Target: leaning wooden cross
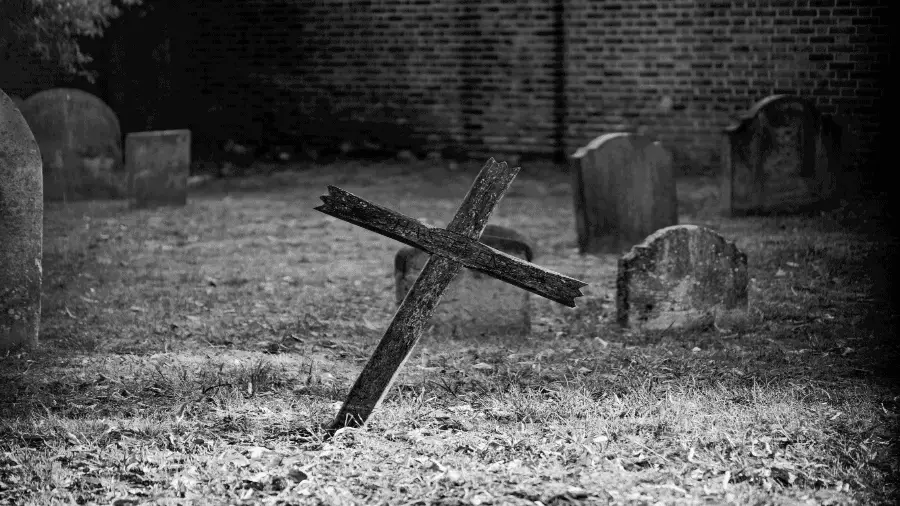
451, 249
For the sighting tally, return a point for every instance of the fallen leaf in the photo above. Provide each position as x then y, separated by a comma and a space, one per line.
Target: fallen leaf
234, 458
453, 476
256, 452
502, 413
182, 481
433, 465
297, 475
482, 498
260, 477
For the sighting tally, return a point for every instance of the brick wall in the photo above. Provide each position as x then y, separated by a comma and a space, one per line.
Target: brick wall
681, 70
531, 77
478, 76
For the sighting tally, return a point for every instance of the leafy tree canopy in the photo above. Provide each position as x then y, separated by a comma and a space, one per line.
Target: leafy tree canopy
48, 31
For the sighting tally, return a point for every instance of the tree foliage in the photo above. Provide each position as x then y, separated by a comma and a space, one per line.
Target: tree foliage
48, 31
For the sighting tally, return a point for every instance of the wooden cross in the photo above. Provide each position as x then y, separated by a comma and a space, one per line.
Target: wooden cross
451, 249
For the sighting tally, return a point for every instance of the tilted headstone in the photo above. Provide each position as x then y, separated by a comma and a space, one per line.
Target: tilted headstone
474, 304
781, 156
81, 144
452, 249
624, 189
21, 230
158, 165
680, 276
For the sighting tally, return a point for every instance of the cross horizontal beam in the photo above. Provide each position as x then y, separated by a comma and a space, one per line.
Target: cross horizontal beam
457, 247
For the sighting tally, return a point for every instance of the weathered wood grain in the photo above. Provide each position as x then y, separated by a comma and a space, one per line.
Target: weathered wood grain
398, 342
452, 249
453, 245
477, 207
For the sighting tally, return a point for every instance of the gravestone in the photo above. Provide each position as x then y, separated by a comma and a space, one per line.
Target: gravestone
80, 142
624, 189
680, 276
452, 249
158, 165
474, 303
21, 230
781, 156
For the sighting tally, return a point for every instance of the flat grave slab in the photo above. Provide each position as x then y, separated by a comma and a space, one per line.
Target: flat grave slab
158, 164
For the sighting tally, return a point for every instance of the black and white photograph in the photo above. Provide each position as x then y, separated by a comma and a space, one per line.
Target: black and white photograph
448, 252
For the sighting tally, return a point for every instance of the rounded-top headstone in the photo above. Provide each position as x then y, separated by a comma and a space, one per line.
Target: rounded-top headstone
681, 276
21, 229
623, 189
782, 156
81, 144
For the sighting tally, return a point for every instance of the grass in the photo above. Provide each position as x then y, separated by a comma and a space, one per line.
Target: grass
192, 355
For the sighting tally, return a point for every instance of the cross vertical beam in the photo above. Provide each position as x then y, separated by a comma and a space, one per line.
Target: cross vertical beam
452, 249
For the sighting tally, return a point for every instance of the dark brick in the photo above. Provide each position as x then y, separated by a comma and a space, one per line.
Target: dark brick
842, 30
822, 39
837, 66
451, 69
844, 12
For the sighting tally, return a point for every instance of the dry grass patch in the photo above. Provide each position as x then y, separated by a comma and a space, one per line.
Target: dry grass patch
191, 356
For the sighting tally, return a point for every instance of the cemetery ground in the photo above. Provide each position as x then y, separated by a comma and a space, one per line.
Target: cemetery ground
192, 355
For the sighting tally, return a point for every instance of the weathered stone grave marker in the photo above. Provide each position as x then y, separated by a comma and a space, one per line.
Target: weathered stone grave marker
474, 304
680, 276
624, 189
781, 156
21, 230
451, 249
158, 165
81, 144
